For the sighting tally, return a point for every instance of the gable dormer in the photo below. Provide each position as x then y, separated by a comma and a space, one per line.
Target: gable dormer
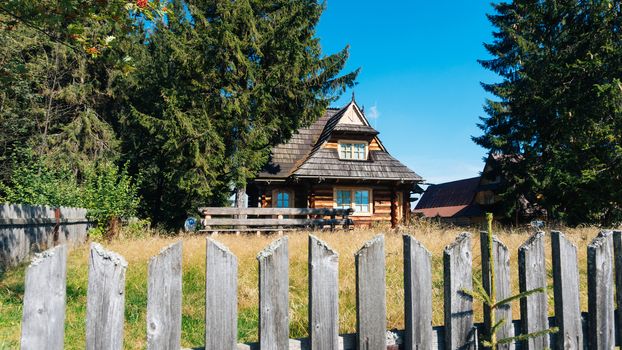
352, 135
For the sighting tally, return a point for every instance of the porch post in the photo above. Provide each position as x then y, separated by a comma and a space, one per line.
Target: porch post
393, 208
263, 202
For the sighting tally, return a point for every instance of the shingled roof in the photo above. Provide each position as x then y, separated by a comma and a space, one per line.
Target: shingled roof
304, 156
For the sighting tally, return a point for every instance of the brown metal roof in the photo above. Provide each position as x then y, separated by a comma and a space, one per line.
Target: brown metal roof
448, 198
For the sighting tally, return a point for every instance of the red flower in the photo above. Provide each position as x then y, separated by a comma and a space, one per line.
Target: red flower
142, 3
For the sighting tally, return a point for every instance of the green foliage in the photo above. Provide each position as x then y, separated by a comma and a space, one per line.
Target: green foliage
558, 106
489, 299
110, 193
106, 191
219, 84
190, 104
34, 183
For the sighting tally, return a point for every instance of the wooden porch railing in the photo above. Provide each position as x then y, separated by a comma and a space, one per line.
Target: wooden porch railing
221, 219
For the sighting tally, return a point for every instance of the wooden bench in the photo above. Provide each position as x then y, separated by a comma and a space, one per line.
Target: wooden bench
272, 219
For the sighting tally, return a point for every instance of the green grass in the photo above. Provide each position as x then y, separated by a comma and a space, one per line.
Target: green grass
138, 251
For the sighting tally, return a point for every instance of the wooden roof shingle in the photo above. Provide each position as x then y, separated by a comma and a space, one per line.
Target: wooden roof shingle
303, 156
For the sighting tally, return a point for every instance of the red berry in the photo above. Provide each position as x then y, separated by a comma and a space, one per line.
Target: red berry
141, 3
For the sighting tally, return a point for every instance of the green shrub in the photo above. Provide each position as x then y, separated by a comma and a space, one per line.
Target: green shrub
105, 190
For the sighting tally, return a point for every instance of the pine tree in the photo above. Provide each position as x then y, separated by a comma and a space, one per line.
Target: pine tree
558, 106
222, 82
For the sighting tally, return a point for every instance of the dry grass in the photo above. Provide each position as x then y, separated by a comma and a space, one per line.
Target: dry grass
138, 251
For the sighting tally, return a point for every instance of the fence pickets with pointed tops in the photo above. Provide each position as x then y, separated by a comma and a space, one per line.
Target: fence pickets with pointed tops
44, 305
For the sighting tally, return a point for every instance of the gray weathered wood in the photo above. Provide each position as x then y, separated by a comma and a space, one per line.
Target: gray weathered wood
566, 292
105, 300
221, 297
323, 296
273, 222
274, 211
164, 299
43, 321
532, 275
503, 289
417, 295
371, 308
26, 229
617, 249
458, 306
601, 319
273, 296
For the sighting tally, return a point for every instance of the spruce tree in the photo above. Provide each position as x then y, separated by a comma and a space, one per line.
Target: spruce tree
222, 82
558, 106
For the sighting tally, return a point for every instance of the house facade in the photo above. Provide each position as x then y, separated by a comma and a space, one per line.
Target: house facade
337, 162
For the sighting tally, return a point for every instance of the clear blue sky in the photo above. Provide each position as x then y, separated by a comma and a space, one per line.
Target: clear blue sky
419, 77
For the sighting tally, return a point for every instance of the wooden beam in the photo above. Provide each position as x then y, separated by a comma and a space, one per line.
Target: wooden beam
393, 208
229, 211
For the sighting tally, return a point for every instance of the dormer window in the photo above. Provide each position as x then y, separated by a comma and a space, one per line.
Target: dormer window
353, 150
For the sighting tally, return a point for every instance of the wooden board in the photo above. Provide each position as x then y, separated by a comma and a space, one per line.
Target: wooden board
164, 294
105, 301
273, 296
417, 295
601, 318
566, 291
532, 275
371, 320
458, 276
323, 296
43, 320
501, 258
221, 297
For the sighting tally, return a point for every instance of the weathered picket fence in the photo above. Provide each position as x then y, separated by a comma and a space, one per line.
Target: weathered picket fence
25, 229
44, 299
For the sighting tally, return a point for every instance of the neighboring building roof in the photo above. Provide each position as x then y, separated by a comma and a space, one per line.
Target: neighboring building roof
450, 199
304, 156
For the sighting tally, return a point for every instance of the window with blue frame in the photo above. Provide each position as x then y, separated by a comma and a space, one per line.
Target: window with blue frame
282, 200
344, 199
357, 199
361, 201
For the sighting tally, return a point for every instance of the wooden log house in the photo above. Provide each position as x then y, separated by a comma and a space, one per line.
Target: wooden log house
337, 162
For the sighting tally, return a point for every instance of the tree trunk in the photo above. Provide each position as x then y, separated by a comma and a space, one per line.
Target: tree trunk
240, 196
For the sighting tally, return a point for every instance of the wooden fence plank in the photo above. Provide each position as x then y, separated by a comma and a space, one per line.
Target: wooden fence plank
371, 308
501, 258
457, 269
566, 292
601, 327
164, 299
323, 296
273, 296
617, 248
105, 300
532, 275
45, 287
417, 295
221, 297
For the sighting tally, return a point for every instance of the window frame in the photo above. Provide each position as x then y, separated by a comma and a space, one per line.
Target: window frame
353, 191
353, 144
275, 198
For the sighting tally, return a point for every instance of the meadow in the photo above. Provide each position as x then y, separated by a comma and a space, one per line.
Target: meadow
137, 252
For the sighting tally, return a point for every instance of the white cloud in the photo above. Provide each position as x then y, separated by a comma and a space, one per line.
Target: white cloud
373, 112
